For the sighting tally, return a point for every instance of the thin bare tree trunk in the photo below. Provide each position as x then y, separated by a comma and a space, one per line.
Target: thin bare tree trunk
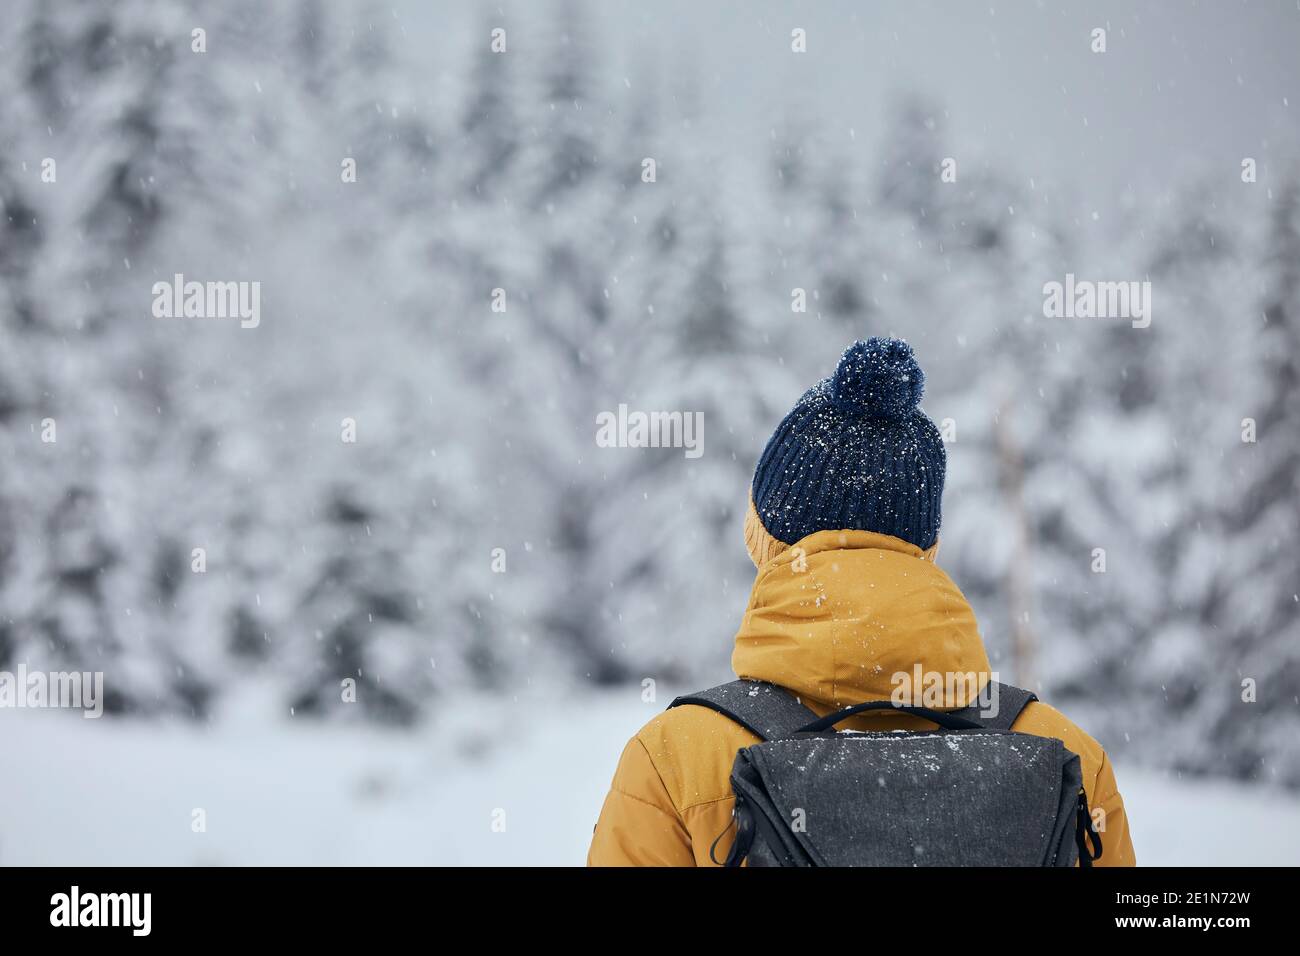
1024, 649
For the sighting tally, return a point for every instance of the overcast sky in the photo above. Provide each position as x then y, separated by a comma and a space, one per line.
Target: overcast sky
1183, 84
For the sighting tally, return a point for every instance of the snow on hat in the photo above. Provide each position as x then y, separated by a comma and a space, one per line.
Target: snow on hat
856, 452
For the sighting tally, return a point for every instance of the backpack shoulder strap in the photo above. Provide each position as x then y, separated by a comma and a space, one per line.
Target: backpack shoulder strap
761, 708
1010, 702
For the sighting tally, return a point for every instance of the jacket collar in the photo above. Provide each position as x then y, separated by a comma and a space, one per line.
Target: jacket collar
842, 617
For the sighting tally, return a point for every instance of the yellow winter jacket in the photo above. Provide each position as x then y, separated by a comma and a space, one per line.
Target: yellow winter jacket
832, 619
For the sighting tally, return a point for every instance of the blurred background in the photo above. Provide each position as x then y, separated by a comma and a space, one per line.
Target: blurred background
495, 688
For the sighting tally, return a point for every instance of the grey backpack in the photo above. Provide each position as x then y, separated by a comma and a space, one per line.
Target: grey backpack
972, 793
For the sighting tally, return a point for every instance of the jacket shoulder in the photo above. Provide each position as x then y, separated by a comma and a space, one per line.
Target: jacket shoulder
693, 749
1044, 720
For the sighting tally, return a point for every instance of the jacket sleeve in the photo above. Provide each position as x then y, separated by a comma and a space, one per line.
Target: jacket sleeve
638, 825
1116, 844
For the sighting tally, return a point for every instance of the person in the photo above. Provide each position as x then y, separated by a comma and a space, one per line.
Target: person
843, 526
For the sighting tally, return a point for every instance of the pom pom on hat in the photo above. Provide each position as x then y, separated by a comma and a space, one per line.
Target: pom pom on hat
878, 378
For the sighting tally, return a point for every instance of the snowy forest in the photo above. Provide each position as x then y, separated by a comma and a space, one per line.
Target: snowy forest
1123, 503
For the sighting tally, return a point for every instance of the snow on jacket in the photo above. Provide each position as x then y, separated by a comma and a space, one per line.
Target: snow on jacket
833, 619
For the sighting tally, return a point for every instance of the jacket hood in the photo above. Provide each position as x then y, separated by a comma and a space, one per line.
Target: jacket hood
841, 615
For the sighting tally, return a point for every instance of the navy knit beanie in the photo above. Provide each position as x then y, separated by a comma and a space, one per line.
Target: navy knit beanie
856, 453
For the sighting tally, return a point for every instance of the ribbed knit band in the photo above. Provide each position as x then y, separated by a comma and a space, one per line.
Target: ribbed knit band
762, 547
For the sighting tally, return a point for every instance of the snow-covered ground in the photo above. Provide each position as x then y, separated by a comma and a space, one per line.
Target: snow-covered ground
94, 792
